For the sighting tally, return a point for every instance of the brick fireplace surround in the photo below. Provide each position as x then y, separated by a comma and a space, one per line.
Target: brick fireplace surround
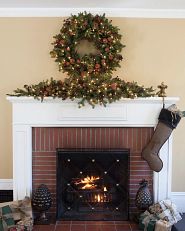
46, 140
40, 128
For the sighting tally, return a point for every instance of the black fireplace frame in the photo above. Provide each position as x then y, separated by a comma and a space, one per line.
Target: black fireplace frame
124, 154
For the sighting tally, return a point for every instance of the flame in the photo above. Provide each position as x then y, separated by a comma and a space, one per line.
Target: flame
105, 189
97, 198
89, 179
89, 182
89, 186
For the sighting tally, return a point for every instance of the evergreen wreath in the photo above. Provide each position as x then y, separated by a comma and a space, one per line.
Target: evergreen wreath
95, 29
90, 76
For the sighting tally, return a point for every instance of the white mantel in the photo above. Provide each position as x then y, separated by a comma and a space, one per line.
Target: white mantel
29, 112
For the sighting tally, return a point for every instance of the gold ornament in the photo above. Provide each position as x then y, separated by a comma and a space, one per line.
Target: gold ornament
161, 92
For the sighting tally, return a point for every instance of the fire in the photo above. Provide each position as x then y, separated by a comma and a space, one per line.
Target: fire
101, 198
97, 198
88, 182
105, 189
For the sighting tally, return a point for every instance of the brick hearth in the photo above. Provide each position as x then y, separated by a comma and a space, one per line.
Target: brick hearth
46, 140
88, 226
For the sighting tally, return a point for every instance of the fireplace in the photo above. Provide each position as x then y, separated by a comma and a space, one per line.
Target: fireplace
31, 118
45, 142
92, 184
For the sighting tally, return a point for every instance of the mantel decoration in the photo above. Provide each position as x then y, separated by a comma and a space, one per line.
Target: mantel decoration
168, 120
89, 75
95, 29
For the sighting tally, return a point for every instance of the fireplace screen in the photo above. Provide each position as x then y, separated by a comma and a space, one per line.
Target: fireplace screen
92, 184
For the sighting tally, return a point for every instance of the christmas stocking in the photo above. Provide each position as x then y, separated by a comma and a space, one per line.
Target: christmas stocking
168, 120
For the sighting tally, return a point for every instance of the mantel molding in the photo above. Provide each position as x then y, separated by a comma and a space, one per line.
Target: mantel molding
110, 12
56, 112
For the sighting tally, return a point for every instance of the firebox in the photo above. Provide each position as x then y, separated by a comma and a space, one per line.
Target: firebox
92, 184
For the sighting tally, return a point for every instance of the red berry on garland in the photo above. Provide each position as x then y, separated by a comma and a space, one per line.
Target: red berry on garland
78, 61
95, 25
62, 42
83, 74
71, 33
45, 93
68, 48
48, 89
67, 63
111, 57
85, 23
72, 61
107, 49
109, 39
97, 66
113, 86
104, 40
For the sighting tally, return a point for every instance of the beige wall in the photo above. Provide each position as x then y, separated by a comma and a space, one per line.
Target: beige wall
155, 52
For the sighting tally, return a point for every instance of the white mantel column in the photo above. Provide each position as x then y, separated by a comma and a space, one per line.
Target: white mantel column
22, 161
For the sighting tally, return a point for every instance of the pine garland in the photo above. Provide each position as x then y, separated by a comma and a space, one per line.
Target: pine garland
95, 91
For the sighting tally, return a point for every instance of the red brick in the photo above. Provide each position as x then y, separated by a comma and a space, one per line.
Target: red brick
56, 138
139, 167
108, 228
124, 227
93, 228
77, 227
121, 222
63, 222
63, 227
45, 153
98, 138
37, 158
44, 228
49, 168
37, 139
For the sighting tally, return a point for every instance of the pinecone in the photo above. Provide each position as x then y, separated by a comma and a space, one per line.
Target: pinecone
42, 198
143, 197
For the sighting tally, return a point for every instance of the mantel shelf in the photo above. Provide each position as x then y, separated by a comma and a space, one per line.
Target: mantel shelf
29, 99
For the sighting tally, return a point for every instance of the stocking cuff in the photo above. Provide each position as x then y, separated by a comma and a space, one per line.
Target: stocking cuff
171, 119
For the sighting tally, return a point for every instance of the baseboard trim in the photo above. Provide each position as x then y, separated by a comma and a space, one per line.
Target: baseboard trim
6, 184
179, 199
